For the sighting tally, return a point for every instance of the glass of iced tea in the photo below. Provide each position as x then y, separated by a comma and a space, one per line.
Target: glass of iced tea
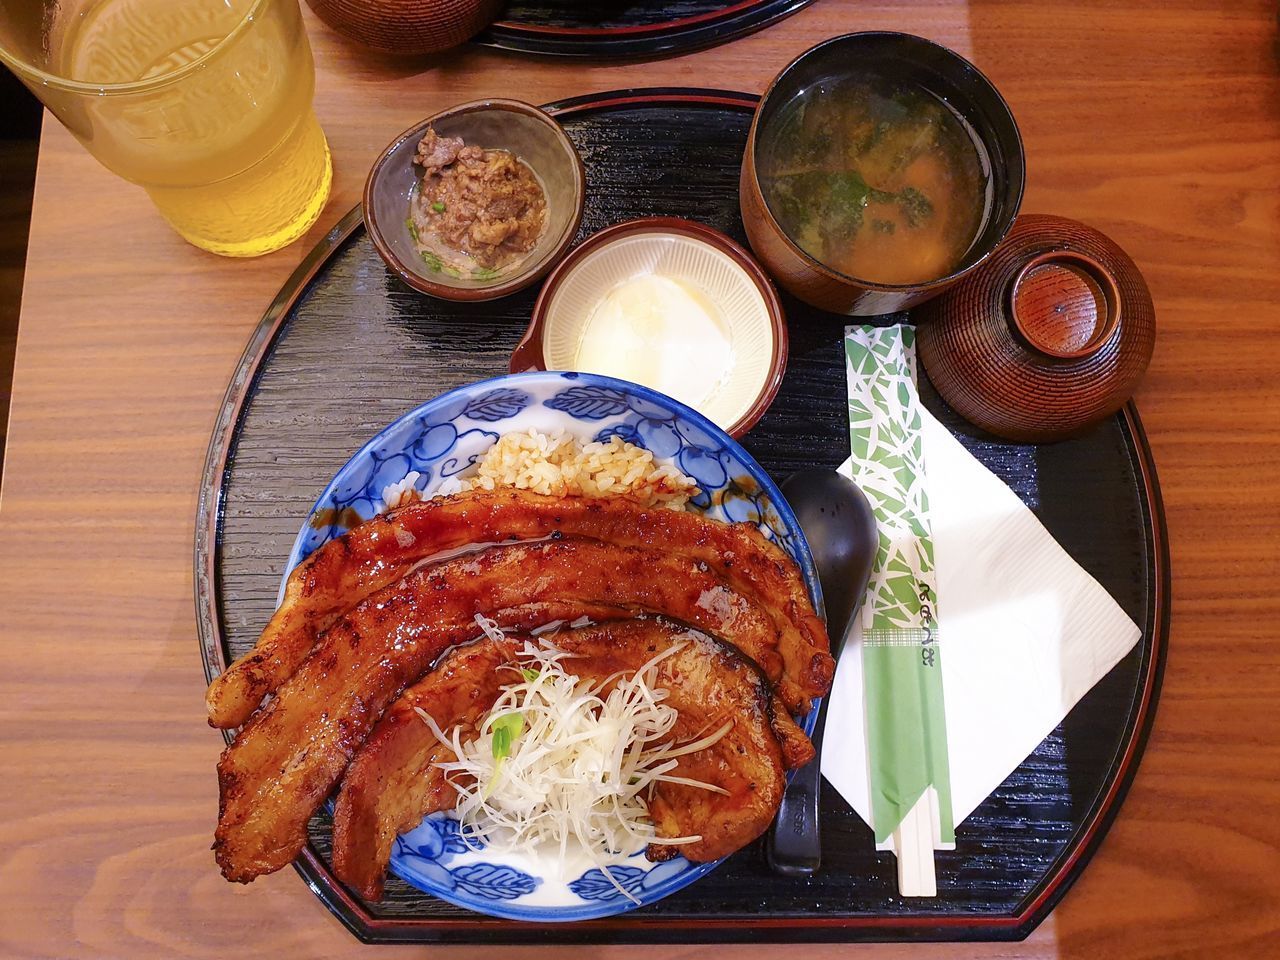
205, 104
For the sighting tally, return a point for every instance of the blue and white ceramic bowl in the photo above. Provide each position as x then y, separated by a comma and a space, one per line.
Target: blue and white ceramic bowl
445, 437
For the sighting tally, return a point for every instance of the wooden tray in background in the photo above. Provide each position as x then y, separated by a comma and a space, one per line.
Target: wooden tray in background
346, 348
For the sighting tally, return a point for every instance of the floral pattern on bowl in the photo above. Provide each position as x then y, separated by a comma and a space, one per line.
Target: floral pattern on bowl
445, 437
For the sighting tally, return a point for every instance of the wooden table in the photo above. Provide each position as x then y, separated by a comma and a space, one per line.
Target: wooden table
1157, 122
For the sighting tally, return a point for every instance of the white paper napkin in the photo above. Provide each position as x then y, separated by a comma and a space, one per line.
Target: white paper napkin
1027, 634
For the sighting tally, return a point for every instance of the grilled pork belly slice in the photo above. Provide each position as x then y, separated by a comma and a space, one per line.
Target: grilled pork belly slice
377, 553
289, 756
394, 780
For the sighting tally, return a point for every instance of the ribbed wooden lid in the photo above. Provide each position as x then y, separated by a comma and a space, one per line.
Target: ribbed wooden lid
1049, 336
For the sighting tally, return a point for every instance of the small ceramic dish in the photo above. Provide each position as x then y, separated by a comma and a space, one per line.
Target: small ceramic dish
445, 437
898, 58
511, 125
724, 355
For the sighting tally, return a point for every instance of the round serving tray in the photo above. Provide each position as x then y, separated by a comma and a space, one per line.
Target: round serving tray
628, 29
346, 348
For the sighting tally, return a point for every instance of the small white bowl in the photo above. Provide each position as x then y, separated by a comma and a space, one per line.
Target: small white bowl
742, 301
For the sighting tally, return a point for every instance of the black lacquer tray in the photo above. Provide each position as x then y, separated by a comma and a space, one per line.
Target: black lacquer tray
346, 348
627, 29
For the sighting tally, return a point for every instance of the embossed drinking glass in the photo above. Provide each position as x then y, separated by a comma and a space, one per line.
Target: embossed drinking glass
205, 104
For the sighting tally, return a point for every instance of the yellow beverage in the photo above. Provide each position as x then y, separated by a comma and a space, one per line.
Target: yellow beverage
206, 104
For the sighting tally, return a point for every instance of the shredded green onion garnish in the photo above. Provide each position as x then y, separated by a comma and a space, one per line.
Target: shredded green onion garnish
505, 730
560, 761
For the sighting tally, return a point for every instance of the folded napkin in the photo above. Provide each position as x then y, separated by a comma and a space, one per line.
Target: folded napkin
1025, 632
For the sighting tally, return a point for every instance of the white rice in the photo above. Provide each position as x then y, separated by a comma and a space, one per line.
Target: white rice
557, 464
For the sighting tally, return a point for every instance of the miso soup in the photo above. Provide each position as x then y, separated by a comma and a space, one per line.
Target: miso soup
882, 182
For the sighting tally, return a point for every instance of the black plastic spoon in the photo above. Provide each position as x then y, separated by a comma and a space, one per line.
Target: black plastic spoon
841, 529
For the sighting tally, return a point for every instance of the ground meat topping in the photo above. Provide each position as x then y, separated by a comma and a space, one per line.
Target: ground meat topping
476, 210
436, 152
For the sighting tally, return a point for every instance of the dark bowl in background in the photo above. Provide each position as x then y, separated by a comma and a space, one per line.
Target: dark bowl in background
902, 58
408, 27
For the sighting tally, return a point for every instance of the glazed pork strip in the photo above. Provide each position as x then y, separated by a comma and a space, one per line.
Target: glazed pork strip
394, 782
284, 762
380, 551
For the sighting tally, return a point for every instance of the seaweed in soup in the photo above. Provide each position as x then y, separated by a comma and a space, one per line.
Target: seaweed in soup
885, 184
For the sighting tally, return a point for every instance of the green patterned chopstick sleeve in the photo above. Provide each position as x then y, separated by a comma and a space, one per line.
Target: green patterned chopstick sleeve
902, 665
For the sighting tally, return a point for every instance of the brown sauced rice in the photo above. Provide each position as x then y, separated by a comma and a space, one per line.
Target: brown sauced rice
557, 464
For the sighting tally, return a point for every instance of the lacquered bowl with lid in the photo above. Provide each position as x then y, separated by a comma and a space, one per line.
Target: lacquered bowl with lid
408, 27
1048, 337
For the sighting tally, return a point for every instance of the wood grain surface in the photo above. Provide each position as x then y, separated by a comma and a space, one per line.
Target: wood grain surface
1158, 123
